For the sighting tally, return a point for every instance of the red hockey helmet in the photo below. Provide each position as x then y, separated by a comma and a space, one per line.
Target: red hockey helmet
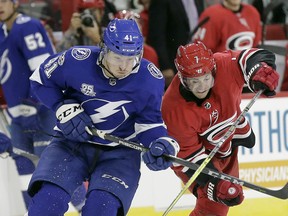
85, 4
194, 60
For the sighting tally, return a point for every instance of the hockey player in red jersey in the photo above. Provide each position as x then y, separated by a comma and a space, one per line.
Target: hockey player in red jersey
231, 25
201, 103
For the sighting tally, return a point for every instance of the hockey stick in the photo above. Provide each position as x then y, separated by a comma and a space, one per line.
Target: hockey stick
281, 194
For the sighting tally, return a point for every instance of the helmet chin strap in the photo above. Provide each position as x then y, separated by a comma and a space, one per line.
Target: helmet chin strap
105, 68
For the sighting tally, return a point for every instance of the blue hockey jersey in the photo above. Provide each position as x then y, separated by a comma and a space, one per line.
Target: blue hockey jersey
22, 50
127, 107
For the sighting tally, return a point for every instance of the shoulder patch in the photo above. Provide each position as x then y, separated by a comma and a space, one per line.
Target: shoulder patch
22, 19
80, 53
154, 71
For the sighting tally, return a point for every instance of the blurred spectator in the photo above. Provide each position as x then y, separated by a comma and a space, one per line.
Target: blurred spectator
109, 13
51, 14
238, 27
170, 23
86, 24
274, 11
148, 51
144, 13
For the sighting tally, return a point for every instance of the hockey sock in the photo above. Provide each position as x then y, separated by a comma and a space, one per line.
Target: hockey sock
25, 169
101, 203
49, 200
79, 196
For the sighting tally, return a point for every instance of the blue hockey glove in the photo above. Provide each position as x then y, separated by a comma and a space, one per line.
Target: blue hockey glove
153, 158
5, 144
73, 121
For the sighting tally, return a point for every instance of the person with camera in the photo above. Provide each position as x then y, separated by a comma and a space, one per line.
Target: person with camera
85, 25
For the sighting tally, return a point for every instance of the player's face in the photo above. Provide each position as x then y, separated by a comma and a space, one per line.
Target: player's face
120, 66
6, 9
199, 86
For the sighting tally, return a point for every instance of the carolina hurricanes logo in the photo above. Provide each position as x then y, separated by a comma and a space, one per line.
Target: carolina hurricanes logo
215, 133
240, 41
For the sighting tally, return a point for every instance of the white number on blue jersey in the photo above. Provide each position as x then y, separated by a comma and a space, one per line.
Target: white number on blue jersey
33, 41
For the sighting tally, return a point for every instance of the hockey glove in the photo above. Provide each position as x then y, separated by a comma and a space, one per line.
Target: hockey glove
266, 78
26, 115
5, 144
73, 121
224, 192
163, 145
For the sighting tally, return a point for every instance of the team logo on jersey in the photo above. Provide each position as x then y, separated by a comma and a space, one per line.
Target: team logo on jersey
112, 81
154, 71
23, 19
80, 53
240, 41
87, 89
214, 117
207, 105
108, 114
5, 67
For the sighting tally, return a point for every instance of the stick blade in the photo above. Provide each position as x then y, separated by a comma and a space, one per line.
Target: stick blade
283, 192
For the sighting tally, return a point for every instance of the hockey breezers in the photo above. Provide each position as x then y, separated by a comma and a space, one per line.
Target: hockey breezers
281, 193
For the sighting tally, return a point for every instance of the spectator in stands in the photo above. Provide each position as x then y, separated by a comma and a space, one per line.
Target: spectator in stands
87, 24
170, 23
144, 14
238, 27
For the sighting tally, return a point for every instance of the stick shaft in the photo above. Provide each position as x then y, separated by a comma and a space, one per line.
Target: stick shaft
281, 194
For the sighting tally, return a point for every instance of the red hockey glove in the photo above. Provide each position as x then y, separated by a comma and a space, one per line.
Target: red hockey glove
266, 78
224, 192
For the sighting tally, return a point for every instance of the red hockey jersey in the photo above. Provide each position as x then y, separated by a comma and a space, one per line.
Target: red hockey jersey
226, 29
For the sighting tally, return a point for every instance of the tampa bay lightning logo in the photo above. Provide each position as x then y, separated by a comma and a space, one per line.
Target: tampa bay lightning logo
80, 53
5, 67
154, 71
107, 115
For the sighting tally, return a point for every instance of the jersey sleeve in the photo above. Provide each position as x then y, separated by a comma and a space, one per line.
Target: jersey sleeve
149, 123
34, 43
48, 81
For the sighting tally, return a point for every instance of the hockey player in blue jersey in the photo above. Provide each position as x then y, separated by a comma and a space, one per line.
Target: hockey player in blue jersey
113, 89
24, 44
